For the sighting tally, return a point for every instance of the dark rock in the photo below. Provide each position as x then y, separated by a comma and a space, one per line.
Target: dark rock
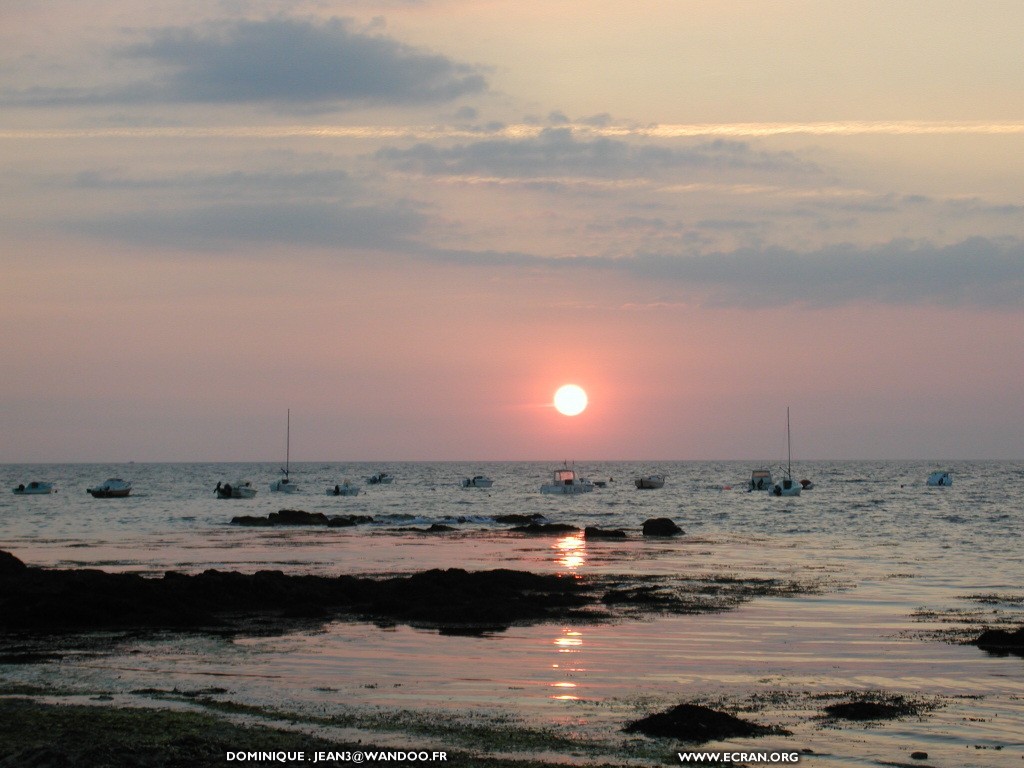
345, 521
696, 724
73, 600
518, 519
661, 526
546, 528
918, 755
873, 709
1001, 641
592, 532
10, 565
297, 517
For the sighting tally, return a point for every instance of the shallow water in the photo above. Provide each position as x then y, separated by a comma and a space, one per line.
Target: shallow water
878, 545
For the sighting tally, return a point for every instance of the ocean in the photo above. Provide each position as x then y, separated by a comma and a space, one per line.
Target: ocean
886, 577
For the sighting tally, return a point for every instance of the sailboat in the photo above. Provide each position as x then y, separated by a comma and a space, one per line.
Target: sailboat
787, 487
285, 485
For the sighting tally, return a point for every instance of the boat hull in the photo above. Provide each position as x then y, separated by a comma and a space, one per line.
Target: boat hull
239, 490
114, 488
34, 489
650, 482
786, 488
106, 493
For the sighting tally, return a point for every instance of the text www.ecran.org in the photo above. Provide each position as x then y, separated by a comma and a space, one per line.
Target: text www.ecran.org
739, 757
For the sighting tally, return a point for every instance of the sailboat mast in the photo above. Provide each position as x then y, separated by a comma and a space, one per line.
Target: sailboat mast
288, 441
789, 451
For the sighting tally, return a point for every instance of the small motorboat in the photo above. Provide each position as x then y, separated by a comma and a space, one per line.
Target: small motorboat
650, 481
566, 481
381, 478
760, 480
477, 481
343, 489
35, 487
940, 479
113, 488
243, 489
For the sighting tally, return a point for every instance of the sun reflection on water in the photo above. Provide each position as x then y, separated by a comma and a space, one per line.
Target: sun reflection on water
571, 553
570, 641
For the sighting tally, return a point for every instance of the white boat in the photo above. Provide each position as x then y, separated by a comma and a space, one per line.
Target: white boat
650, 481
940, 478
242, 489
285, 485
477, 481
786, 486
113, 488
566, 481
35, 487
760, 479
381, 478
343, 489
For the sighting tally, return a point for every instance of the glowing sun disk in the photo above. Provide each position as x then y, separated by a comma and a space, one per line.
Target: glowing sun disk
570, 400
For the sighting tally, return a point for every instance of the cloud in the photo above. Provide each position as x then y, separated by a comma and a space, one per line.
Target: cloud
558, 150
298, 64
227, 226
976, 272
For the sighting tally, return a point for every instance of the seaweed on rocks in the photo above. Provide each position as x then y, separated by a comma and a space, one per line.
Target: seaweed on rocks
299, 517
1001, 642
85, 599
874, 706
593, 532
81, 600
698, 724
661, 526
546, 529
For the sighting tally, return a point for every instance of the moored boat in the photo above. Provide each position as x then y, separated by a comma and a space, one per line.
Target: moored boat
940, 478
650, 481
381, 478
343, 489
477, 481
760, 479
786, 486
243, 489
112, 488
566, 481
33, 488
285, 485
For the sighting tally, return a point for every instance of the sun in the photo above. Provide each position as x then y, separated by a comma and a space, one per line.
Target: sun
570, 400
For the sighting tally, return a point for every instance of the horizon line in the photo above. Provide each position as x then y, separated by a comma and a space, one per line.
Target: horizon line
526, 130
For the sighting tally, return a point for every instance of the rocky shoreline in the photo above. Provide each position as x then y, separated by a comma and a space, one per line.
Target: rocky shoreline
63, 608
451, 600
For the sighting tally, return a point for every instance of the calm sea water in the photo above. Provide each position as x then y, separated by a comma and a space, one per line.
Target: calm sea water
899, 564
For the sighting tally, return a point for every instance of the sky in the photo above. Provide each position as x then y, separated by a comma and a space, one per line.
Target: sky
410, 221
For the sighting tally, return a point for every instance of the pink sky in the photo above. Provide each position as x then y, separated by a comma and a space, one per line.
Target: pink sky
410, 225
